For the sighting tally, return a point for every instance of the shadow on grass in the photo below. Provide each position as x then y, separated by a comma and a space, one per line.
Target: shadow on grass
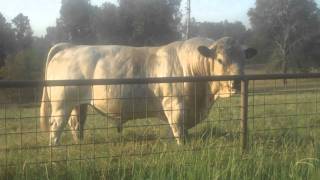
284, 137
208, 133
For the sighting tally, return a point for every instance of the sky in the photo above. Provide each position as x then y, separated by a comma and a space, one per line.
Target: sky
43, 13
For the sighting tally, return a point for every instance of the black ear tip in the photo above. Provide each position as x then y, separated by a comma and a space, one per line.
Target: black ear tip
204, 51
254, 51
251, 52
201, 48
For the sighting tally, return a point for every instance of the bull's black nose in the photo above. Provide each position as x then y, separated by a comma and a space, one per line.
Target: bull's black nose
237, 85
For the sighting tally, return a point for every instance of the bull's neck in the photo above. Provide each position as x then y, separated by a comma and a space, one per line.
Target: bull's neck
200, 67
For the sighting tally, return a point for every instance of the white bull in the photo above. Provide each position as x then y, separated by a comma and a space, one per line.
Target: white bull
179, 104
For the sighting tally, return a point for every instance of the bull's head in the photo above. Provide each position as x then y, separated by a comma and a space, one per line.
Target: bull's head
226, 58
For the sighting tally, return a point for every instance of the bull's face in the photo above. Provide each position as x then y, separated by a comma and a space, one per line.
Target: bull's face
226, 57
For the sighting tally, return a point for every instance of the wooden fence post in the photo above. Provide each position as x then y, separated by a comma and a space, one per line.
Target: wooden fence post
244, 114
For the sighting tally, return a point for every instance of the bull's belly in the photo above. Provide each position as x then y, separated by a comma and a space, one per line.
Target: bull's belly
135, 102
126, 102
128, 109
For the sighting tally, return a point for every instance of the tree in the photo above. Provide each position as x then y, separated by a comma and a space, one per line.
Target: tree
286, 25
76, 20
107, 24
56, 34
193, 30
311, 52
149, 22
23, 31
7, 40
131, 22
22, 65
217, 30
23, 54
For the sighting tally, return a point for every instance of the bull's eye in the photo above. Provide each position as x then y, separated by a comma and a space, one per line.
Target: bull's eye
220, 61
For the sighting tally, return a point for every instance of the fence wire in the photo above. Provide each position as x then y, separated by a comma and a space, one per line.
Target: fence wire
276, 112
280, 112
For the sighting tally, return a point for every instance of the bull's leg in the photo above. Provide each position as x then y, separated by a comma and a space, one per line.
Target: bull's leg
119, 128
119, 125
77, 121
173, 113
169, 130
58, 121
74, 124
83, 118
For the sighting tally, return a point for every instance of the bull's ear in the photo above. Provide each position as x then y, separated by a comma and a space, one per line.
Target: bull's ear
205, 51
250, 53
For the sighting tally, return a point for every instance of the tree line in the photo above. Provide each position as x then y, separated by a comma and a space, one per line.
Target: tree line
286, 32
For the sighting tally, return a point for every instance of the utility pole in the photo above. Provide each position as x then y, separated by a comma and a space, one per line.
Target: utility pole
188, 18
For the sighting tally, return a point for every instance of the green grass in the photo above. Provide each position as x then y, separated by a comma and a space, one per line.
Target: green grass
283, 142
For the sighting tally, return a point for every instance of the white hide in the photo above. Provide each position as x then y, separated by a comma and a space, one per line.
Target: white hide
179, 104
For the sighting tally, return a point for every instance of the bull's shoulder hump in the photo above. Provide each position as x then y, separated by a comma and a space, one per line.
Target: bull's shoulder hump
198, 41
186, 45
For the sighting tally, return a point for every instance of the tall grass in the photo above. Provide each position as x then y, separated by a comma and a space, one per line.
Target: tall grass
283, 136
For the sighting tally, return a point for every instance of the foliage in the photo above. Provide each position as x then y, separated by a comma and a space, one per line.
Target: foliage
76, 20
23, 65
107, 24
285, 24
56, 34
217, 30
149, 22
22, 56
7, 39
286, 32
27, 64
132, 22
23, 31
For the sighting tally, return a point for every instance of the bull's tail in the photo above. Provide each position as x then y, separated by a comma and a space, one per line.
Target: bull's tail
45, 108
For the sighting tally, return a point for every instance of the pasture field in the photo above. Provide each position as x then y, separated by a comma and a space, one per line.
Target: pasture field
284, 132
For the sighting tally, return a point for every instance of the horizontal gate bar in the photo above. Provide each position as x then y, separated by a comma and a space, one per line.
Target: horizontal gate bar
39, 83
